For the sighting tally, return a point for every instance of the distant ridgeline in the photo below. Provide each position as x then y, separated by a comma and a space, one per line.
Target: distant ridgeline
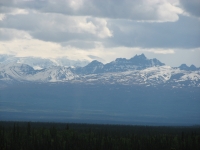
135, 71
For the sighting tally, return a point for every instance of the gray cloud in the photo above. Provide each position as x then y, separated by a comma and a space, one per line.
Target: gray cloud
58, 28
81, 32
116, 9
96, 58
185, 33
28, 22
113, 23
4, 9
191, 6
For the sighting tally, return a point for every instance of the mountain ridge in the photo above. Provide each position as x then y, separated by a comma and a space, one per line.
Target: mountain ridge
137, 70
138, 62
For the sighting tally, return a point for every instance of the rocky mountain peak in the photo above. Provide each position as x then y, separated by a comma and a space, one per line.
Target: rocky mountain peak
187, 68
120, 60
139, 57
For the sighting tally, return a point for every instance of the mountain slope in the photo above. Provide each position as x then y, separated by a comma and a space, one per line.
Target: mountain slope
92, 68
137, 62
23, 72
15, 71
162, 75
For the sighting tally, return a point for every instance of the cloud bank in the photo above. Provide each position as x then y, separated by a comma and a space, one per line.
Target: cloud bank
101, 29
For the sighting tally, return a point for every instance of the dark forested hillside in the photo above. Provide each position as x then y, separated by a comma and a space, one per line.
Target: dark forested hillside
52, 136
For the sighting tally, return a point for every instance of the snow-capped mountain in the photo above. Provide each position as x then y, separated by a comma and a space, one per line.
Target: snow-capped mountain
135, 71
15, 71
160, 75
23, 72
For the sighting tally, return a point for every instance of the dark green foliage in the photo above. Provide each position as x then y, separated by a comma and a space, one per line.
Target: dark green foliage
52, 136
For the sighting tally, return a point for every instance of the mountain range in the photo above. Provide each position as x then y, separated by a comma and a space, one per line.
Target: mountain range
137, 70
137, 91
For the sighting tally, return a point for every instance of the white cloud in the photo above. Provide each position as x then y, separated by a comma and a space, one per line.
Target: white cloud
168, 12
18, 12
75, 4
161, 51
25, 45
2, 16
96, 26
31, 47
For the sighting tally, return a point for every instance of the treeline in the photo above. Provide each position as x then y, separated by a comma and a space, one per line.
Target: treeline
60, 136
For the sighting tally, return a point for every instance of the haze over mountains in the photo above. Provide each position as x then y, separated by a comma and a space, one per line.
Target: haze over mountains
41, 63
137, 70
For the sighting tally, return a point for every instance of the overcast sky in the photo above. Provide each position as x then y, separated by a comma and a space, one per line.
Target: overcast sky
168, 30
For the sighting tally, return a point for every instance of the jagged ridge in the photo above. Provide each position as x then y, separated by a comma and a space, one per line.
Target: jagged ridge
137, 62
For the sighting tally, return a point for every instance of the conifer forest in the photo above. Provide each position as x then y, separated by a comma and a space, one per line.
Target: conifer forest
71, 136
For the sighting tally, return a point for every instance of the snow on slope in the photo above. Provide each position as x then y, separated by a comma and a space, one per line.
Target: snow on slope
195, 76
23, 72
53, 74
15, 71
149, 76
